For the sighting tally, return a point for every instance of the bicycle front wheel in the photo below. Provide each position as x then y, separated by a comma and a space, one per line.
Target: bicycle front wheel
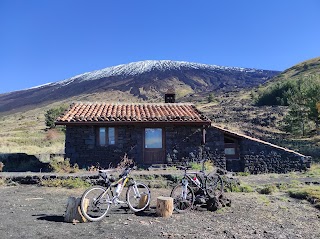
214, 185
138, 197
95, 203
181, 204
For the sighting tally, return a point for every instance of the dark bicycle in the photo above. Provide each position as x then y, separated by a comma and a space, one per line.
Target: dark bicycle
195, 185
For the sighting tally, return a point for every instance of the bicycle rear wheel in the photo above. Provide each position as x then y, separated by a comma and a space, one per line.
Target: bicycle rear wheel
138, 197
214, 185
94, 205
179, 203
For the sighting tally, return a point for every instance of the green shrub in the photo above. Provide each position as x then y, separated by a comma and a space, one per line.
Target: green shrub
67, 183
264, 199
269, 189
211, 98
242, 188
314, 171
308, 192
60, 165
208, 165
299, 194
171, 168
52, 114
196, 166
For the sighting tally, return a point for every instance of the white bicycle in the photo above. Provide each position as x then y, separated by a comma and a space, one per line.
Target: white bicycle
96, 201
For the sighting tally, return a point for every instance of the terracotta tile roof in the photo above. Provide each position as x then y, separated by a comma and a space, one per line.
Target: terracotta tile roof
144, 112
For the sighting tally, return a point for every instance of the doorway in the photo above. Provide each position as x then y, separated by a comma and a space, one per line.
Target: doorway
153, 147
231, 151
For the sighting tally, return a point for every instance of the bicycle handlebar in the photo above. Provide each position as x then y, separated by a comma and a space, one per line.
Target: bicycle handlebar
127, 171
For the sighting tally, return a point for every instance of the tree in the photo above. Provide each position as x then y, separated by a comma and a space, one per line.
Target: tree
302, 99
318, 109
211, 98
297, 117
52, 114
313, 101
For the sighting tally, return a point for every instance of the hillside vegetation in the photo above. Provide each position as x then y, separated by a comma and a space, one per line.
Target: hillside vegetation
274, 92
299, 89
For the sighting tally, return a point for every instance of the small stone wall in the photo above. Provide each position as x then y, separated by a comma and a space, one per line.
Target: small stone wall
152, 180
21, 162
263, 158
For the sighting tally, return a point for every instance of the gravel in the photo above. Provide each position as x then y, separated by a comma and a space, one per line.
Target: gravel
38, 212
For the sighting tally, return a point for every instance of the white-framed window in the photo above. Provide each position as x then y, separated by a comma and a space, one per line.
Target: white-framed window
106, 136
230, 151
153, 138
111, 135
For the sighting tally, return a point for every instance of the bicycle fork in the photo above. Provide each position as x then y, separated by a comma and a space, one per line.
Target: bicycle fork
136, 191
184, 189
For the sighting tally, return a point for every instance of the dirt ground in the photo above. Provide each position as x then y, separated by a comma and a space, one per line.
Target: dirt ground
38, 212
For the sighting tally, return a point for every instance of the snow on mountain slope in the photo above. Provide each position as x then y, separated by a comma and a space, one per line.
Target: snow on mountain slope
140, 67
144, 80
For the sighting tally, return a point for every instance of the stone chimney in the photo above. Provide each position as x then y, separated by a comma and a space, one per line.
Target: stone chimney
170, 96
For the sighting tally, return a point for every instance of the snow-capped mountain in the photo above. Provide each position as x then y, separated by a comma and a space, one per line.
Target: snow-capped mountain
141, 67
144, 80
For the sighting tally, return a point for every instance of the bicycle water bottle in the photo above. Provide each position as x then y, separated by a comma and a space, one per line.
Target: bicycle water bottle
196, 181
118, 188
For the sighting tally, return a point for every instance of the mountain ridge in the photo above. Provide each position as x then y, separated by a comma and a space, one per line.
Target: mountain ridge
144, 80
141, 67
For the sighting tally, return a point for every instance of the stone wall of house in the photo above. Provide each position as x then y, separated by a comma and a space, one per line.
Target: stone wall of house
263, 158
81, 146
183, 144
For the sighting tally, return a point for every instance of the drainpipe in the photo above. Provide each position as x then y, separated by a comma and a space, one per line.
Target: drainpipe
203, 141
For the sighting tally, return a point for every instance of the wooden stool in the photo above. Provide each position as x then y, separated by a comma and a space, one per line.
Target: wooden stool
164, 206
73, 212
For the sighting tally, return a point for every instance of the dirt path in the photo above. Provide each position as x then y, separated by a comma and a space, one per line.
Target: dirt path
37, 212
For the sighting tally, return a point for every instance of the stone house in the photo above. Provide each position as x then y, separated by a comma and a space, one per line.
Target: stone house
165, 133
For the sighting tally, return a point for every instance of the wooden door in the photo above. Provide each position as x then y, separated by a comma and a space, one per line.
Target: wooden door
231, 150
153, 147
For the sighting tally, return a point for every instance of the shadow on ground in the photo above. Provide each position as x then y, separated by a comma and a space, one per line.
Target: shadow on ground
50, 218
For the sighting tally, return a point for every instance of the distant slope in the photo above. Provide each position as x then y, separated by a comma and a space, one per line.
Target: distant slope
301, 70
274, 89
145, 80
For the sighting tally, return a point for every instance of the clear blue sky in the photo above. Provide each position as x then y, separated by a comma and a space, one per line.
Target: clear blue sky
51, 40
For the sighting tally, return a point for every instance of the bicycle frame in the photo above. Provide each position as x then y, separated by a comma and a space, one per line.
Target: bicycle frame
115, 198
96, 200
185, 182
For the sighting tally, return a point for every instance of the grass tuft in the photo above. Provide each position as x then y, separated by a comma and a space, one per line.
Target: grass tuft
310, 193
268, 189
314, 171
60, 165
66, 183
243, 174
242, 188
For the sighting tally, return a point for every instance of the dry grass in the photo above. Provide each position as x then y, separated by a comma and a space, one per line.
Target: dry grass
26, 133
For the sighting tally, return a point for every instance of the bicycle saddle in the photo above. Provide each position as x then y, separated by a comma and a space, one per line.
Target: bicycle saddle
103, 174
